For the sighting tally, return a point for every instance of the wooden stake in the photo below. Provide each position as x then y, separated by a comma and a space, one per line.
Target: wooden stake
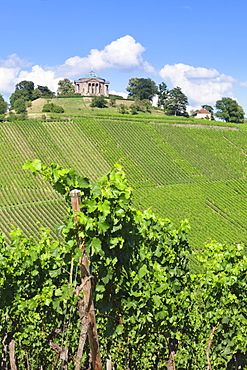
86, 286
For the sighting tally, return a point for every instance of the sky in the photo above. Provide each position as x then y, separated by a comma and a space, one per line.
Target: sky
197, 45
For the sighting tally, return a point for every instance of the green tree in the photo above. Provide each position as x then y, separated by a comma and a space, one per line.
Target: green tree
210, 109
162, 94
45, 91
229, 110
142, 88
65, 87
3, 105
20, 106
175, 103
99, 102
23, 90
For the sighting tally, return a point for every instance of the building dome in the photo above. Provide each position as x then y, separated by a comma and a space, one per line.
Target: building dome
92, 74
92, 85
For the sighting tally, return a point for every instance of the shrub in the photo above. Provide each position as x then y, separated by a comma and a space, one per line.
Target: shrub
2, 117
58, 109
51, 107
123, 109
99, 102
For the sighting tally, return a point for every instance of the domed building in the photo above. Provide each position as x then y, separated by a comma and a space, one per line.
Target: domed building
92, 85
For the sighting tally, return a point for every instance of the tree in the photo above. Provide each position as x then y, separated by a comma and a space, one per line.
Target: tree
162, 94
175, 103
23, 90
99, 102
229, 110
20, 106
3, 105
142, 88
210, 109
45, 91
65, 87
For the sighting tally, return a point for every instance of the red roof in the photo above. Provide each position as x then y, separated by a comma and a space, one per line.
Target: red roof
203, 111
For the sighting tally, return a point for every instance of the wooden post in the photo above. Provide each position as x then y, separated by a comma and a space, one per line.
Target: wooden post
87, 291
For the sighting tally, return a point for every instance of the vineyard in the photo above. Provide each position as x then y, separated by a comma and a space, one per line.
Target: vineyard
180, 169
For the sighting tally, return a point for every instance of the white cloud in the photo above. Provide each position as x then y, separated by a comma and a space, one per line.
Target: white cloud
123, 94
40, 77
124, 54
9, 70
200, 85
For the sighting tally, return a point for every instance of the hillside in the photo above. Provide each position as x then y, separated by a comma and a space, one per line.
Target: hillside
182, 168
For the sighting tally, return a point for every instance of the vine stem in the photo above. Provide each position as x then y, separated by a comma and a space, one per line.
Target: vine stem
87, 296
13, 365
209, 346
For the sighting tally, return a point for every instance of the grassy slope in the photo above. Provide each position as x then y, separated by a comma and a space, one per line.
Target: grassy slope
182, 172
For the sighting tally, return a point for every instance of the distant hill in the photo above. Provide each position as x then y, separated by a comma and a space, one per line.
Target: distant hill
182, 168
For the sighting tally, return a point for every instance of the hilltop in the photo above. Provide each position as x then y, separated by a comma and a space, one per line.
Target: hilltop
78, 105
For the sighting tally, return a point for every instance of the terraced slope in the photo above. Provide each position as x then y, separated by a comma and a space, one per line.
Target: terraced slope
178, 168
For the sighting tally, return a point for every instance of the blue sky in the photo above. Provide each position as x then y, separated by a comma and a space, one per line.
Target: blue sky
199, 46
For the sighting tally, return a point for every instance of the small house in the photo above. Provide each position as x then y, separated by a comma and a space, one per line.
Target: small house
203, 113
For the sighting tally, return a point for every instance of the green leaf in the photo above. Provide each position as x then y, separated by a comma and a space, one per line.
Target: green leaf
143, 271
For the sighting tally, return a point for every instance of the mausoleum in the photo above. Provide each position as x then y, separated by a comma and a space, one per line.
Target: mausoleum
92, 85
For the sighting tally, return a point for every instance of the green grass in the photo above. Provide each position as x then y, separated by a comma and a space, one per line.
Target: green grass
180, 171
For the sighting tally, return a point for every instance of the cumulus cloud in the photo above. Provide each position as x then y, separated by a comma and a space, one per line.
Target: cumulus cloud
201, 85
9, 70
40, 77
123, 54
123, 94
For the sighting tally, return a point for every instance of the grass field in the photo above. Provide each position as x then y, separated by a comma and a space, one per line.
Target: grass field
182, 168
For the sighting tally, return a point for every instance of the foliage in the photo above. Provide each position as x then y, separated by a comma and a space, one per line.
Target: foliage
99, 102
175, 103
210, 109
112, 99
149, 305
133, 109
142, 88
143, 105
20, 106
162, 94
123, 109
229, 110
135, 257
220, 305
51, 107
42, 91
3, 105
23, 90
2, 117
65, 87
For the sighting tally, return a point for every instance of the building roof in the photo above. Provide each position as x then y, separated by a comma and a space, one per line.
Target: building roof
204, 111
90, 75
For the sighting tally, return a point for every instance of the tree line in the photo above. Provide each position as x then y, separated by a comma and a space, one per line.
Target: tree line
142, 90
174, 101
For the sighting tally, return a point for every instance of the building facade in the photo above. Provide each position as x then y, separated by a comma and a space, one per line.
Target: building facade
92, 85
203, 113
